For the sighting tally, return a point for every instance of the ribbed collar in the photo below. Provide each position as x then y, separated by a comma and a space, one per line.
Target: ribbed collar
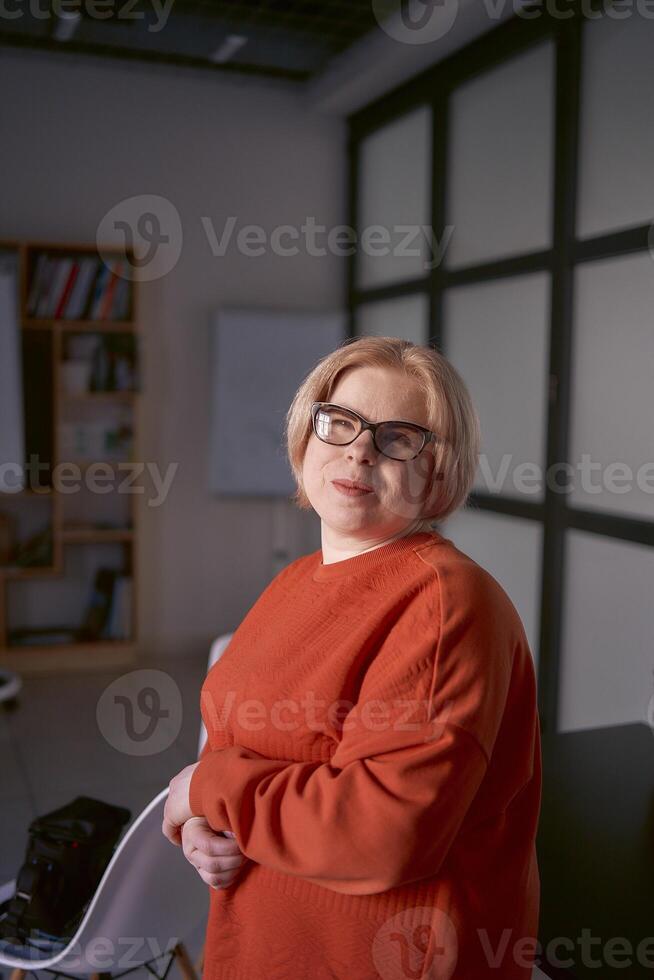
370, 559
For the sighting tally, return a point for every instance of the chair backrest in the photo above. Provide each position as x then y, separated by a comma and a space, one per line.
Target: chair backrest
149, 899
218, 647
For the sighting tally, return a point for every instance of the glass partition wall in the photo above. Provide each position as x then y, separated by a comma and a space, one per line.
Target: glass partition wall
502, 203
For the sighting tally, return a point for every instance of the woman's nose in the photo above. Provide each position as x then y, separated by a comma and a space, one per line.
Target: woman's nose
363, 447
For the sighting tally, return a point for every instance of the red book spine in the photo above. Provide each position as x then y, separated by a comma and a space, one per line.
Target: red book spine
67, 291
109, 292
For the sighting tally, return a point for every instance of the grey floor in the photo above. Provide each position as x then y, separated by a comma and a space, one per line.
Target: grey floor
52, 749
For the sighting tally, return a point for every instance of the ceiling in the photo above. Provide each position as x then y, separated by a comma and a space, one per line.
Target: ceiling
290, 39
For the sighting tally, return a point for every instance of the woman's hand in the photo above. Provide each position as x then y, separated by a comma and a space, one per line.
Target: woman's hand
218, 859
177, 809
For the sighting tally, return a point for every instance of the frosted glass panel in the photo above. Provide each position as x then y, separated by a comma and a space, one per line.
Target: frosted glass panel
394, 191
510, 549
496, 336
613, 387
608, 626
616, 126
402, 316
500, 160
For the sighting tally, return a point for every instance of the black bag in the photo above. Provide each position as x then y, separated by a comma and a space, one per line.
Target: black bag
67, 854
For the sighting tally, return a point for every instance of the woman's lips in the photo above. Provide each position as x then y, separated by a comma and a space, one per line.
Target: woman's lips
350, 490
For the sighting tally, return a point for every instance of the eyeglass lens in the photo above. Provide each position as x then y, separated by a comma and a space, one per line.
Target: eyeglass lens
393, 439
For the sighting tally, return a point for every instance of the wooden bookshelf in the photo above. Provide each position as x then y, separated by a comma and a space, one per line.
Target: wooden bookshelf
85, 529
79, 326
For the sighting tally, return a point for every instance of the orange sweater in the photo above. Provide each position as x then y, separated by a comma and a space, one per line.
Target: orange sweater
374, 744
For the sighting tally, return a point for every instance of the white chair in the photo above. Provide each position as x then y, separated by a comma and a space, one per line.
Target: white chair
218, 647
148, 900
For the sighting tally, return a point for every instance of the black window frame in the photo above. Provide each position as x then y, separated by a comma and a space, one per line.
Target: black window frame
434, 87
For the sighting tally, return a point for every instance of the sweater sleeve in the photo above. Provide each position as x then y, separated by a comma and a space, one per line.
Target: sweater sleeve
414, 749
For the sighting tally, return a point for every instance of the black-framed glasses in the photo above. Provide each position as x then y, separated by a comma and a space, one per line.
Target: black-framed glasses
340, 426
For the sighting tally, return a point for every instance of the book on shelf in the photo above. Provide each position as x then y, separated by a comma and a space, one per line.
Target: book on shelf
36, 284
115, 363
119, 621
56, 278
108, 615
107, 299
70, 288
43, 287
79, 295
109, 362
101, 284
99, 604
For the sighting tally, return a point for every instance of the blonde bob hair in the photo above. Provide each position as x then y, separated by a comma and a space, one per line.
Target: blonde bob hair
451, 414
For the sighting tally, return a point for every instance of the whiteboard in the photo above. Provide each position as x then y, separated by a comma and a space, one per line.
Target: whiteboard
259, 358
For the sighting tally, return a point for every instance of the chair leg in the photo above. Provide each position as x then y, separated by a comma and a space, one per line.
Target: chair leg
17, 974
184, 962
199, 963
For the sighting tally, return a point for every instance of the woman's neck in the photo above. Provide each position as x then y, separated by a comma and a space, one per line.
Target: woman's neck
341, 547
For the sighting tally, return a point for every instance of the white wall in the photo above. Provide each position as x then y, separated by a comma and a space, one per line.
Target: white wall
80, 136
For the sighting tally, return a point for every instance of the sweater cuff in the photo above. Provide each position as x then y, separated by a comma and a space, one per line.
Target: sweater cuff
195, 794
204, 793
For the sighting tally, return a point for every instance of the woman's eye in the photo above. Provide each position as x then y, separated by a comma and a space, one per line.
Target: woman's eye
396, 437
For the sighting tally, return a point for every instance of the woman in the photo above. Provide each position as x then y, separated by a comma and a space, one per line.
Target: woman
373, 735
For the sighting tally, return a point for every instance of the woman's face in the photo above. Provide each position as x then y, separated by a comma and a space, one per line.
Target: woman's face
399, 487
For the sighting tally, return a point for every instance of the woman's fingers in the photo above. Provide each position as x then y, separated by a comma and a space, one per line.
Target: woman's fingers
198, 834
217, 859
215, 864
223, 880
